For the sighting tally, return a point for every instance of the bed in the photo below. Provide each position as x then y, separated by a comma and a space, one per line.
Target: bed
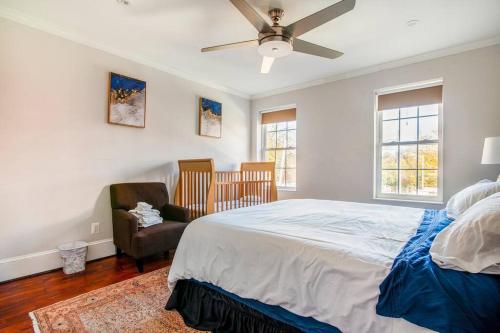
305, 266
204, 190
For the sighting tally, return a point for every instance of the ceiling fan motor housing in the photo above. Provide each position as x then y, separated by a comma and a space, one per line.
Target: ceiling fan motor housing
276, 14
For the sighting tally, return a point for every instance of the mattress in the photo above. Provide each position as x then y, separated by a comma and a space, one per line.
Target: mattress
315, 258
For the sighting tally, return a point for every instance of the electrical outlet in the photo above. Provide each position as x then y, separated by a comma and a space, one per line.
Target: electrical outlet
94, 228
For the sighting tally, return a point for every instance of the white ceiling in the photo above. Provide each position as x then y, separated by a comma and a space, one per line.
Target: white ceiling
169, 34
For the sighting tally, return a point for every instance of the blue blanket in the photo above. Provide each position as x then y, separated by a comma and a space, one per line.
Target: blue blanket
442, 300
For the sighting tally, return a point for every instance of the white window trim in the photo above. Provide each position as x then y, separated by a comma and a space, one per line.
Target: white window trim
378, 142
260, 143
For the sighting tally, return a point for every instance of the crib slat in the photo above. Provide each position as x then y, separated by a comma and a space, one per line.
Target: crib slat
195, 204
202, 190
251, 189
252, 198
204, 193
217, 176
258, 185
217, 186
186, 175
231, 184
256, 199
198, 194
234, 197
186, 189
259, 198
226, 196
190, 191
186, 194
263, 188
193, 193
205, 189
252, 194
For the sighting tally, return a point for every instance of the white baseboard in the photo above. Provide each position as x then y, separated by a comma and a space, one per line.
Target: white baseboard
15, 267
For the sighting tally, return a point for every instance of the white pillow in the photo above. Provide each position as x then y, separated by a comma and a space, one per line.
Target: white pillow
472, 242
464, 199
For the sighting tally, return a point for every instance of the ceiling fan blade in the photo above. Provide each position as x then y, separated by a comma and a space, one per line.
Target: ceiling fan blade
258, 22
267, 63
315, 20
247, 43
300, 45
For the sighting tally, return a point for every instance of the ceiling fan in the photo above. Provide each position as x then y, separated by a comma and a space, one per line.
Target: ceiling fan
277, 41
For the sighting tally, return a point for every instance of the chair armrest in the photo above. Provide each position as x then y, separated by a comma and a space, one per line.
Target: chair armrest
176, 213
124, 227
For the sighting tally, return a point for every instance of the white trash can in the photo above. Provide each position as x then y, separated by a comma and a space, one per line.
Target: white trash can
73, 256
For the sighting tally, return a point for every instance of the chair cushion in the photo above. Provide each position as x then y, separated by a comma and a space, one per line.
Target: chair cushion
157, 238
127, 195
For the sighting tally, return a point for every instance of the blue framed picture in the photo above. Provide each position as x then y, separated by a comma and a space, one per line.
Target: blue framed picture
210, 118
127, 101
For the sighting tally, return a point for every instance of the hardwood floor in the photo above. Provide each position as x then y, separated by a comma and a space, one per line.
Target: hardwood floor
18, 298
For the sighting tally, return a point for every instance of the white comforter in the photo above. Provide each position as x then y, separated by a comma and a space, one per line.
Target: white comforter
317, 258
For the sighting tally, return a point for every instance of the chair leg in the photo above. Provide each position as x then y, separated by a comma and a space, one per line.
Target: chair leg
118, 252
140, 265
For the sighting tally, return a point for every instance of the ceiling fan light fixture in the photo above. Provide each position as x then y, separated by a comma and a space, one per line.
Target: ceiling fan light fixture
412, 22
275, 47
267, 62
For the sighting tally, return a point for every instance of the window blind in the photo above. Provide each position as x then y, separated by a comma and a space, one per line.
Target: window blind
278, 116
403, 99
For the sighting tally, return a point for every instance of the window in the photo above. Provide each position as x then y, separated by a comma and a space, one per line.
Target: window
408, 149
279, 145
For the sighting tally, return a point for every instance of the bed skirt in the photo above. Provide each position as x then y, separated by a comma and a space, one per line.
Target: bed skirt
207, 309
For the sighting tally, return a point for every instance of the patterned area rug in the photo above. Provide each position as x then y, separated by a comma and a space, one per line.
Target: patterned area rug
134, 305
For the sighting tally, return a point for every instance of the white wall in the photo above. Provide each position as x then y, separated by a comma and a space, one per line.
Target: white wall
58, 154
335, 125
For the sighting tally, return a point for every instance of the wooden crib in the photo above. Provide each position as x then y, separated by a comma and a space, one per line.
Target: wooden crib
203, 190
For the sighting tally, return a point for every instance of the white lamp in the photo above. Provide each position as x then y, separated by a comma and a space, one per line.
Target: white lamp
491, 151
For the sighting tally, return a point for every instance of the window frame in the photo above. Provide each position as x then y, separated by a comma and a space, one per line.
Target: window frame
263, 150
438, 199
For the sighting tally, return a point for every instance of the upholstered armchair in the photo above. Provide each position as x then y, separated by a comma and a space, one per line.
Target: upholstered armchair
142, 242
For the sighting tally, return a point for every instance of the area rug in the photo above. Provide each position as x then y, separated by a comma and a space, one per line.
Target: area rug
134, 305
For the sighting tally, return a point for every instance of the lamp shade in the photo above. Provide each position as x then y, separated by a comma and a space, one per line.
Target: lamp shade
491, 151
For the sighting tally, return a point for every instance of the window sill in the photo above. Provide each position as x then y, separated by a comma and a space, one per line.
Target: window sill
412, 201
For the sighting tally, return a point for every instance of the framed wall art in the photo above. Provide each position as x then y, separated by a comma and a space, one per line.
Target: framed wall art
210, 118
127, 101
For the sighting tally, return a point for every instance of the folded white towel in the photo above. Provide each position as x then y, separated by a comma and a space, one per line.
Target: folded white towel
152, 219
149, 225
146, 215
143, 206
152, 212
